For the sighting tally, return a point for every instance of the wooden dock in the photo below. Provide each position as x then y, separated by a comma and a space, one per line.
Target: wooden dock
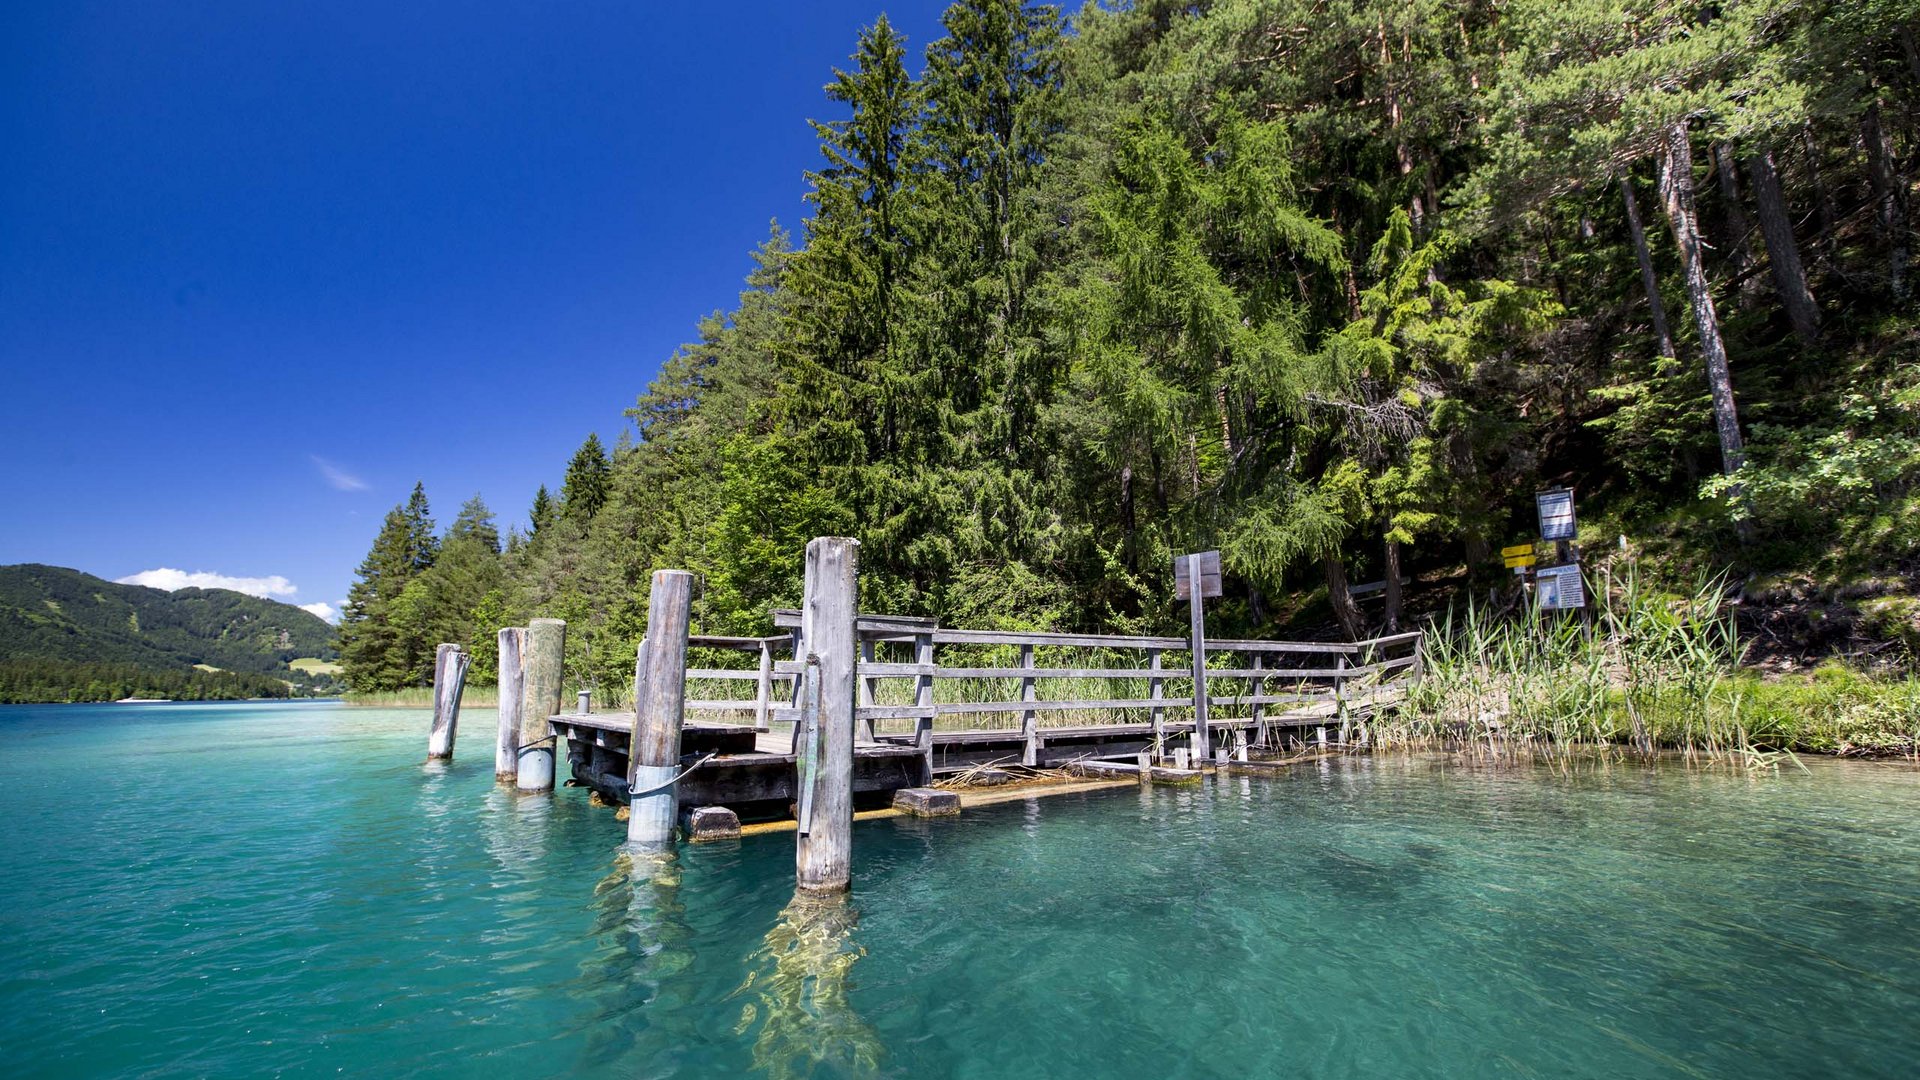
909, 735
849, 712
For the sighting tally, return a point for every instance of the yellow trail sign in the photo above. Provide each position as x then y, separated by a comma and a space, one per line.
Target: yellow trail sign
1516, 561
1516, 551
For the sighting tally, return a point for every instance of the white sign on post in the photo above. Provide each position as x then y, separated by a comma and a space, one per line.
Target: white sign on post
1558, 588
1555, 507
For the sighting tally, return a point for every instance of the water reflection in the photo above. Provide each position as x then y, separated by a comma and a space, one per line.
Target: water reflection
797, 994
644, 945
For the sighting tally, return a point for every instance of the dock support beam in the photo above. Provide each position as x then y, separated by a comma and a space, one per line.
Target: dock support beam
539, 700
659, 709
449, 678
513, 681
823, 855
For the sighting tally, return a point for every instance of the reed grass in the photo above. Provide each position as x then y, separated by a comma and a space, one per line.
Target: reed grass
420, 697
1647, 672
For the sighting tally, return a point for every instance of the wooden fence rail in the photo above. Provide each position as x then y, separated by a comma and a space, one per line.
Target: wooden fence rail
1283, 683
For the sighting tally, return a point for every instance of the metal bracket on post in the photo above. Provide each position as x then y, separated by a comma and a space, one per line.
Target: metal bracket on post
806, 741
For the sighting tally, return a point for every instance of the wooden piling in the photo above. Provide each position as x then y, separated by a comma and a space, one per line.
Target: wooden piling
584, 702
823, 854
659, 711
545, 663
513, 676
449, 678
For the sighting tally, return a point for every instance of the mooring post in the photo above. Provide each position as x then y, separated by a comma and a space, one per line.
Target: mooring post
546, 655
513, 678
823, 853
1199, 648
449, 676
659, 709
585, 701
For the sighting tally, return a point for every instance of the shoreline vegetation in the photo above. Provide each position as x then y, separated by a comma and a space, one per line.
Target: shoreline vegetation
1649, 673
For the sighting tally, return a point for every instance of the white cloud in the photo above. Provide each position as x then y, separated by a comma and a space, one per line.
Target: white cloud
336, 477
274, 587
323, 609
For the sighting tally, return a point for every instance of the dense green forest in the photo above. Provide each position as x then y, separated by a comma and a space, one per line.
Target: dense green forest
70, 636
1332, 286
27, 681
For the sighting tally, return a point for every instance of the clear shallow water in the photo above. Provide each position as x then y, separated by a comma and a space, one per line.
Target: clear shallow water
249, 889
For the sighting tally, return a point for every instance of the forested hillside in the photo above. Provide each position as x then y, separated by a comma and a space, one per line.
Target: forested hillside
52, 613
1333, 287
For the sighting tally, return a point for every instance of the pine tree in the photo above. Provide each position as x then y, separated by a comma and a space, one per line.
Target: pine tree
541, 516
585, 489
380, 649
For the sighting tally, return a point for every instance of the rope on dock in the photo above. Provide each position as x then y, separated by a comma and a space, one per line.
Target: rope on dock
683, 775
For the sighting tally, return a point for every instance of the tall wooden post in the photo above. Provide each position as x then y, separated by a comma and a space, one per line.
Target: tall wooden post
763, 690
923, 700
539, 700
449, 678
1157, 690
1199, 624
823, 855
1029, 719
659, 709
513, 678
1259, 707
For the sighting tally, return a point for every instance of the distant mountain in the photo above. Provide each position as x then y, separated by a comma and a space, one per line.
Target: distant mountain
53, 613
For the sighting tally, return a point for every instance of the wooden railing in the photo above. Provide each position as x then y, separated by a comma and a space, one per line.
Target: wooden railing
902, 679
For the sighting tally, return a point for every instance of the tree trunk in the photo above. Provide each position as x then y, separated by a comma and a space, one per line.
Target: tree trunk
1663, 337
1676, 196
1889, 206
1739, 238
1340, 598
1392, 588
1783, 251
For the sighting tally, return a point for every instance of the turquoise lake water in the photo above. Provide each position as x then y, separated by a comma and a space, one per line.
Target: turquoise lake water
242, 889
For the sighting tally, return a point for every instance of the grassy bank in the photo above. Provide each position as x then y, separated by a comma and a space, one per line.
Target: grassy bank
1651, 671
421, 697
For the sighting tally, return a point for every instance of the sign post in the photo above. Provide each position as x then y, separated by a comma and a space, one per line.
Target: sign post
1196, 577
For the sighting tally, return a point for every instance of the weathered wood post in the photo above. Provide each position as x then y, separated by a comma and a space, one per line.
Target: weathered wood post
1029, 719
823, 855
513, 677
1157, 690
449, 678
539, 699
923, 700
1260, 735
1199, 646
763, 690
584, 700
659, 709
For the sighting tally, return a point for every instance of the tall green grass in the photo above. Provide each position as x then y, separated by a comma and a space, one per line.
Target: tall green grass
1645, 671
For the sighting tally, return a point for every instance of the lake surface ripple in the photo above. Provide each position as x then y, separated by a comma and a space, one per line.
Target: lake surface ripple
242, 889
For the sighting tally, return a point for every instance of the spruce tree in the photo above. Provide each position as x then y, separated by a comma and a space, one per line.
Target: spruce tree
586, 486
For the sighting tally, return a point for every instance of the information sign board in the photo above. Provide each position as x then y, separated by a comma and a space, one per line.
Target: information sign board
1555, 506
1558, 588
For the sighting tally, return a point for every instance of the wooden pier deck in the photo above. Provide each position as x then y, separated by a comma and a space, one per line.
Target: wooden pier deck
754, 771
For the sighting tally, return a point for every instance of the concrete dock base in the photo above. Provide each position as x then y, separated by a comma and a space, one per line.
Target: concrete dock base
926, 802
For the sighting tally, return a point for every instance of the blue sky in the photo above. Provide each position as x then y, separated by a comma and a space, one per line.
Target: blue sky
262, 266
